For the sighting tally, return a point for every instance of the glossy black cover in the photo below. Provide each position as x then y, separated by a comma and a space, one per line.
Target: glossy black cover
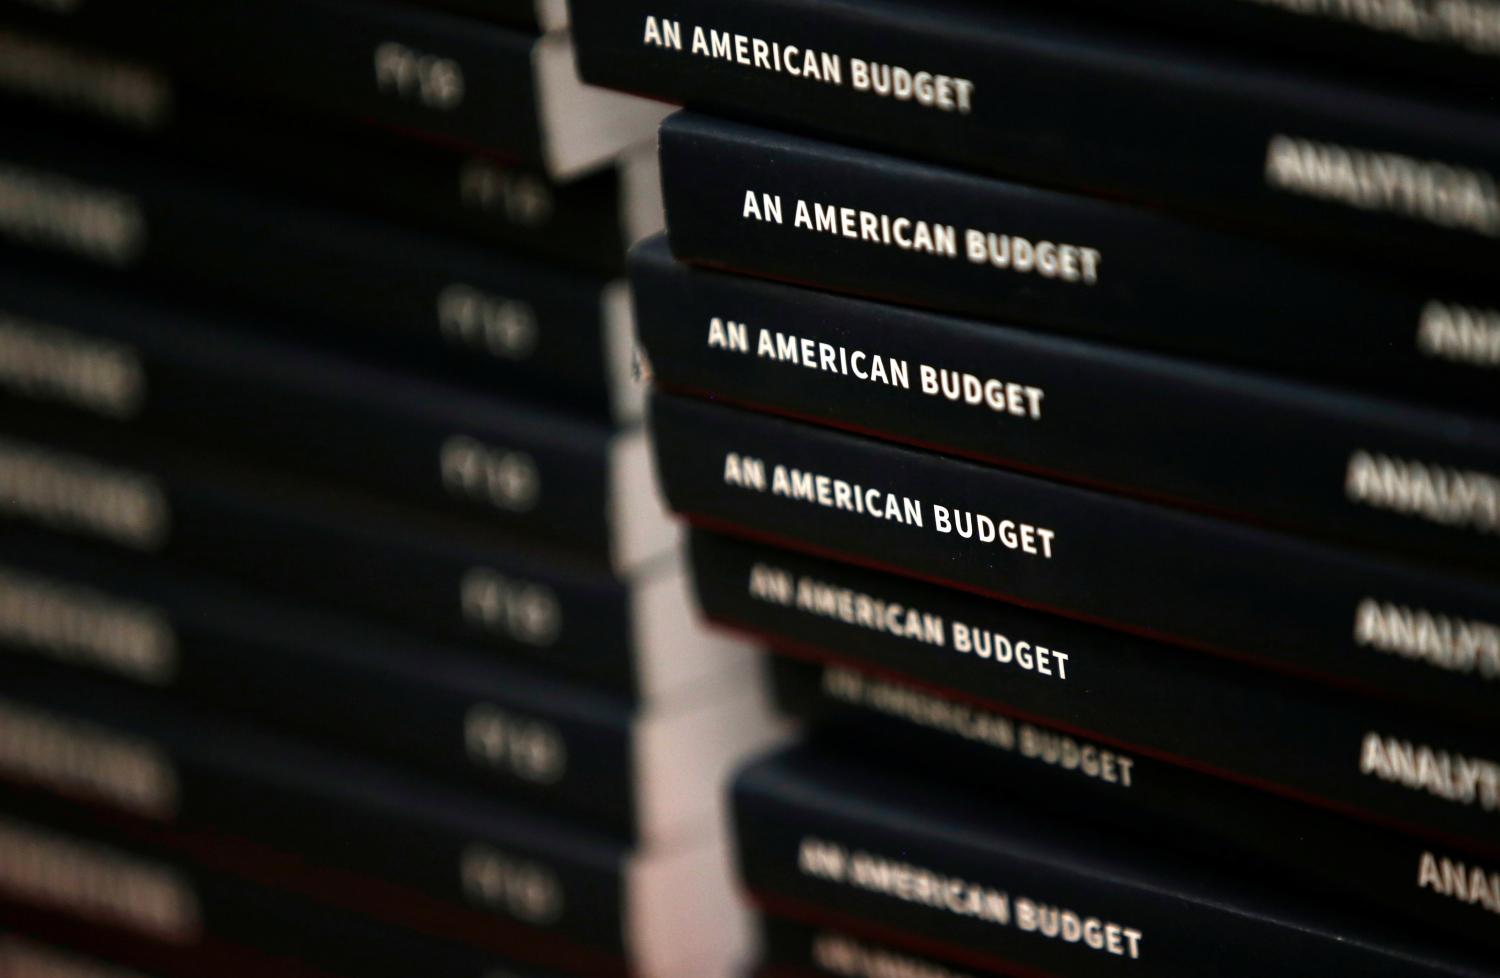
454, 712
1238, 723
447, 77
1255, 832
794, 950
493, 458
215, 891
438, 579
473, 193
1048, 97
1191, 434
1266, 597
1136, 276
518, 13
396, 293
829, 838
278, 926
1454, 47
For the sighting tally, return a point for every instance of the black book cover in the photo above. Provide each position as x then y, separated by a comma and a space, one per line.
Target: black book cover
793, 950
475, 194
284, 814
1453, 47
186, 781
1045, 98
466, 716
463, 714
425, 72
568, 616
1193, 435
401, 294
36, 945
537, 15
1323, 612
494, 459
1434, 883
82, 80
813, 212
24, 954
81, 878
1350, 754
829, 839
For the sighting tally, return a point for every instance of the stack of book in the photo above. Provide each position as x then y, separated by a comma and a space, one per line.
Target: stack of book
1098, 421
344, 630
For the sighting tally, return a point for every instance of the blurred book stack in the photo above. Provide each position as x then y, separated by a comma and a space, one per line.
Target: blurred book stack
344, 630
1094, 410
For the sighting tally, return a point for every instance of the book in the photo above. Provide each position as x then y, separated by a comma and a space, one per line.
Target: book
23, 957
540, 15
284, 814
1333, 614
1439, 884
829, 839
1347, 753
493, 457
1048, 97
433, 578
815, 213
426, 72
1452, 47
402, 295
251, 931
1204, 437
59, 954
585, 222
634, 769
793, 950
162, 909
41, 69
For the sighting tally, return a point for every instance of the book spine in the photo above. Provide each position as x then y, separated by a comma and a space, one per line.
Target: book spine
1279, 601
464, 717
792, 950
169, 904
172, 776
1386, 870
1427, 42
502, 464
27, 954
1273, 147
1235, 722
1008, 897
476, 194
824, 215
1263, 449
532, 15
32, 945
47, 72
570, 618
400, 294
446, 77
